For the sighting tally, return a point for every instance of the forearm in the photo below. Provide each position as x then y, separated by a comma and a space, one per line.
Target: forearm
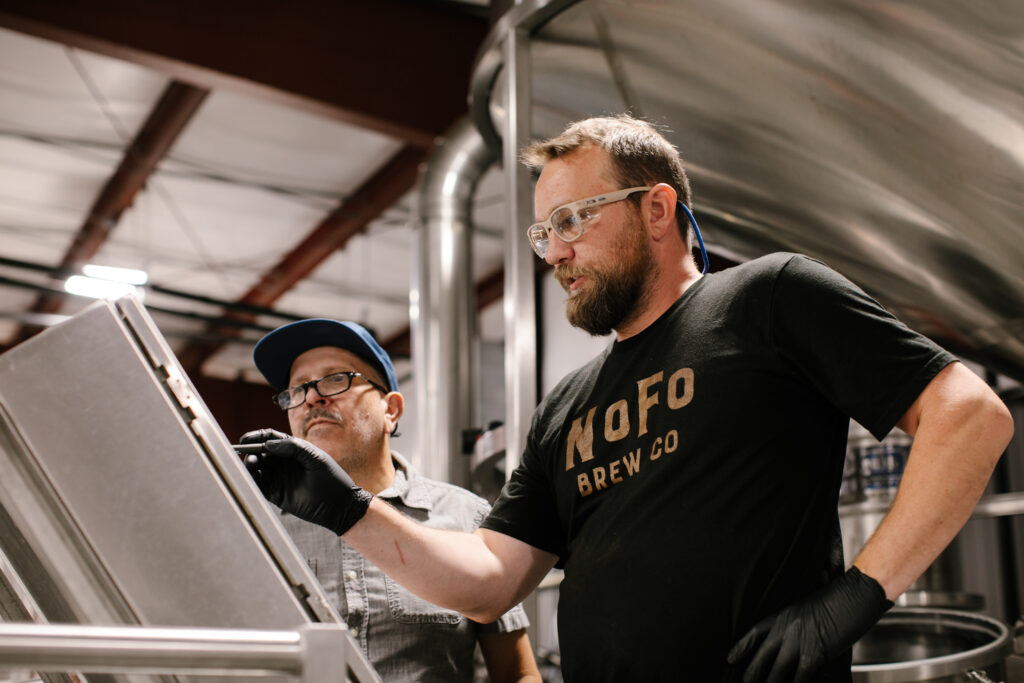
956, 445
453, 569
509, 657
482, 574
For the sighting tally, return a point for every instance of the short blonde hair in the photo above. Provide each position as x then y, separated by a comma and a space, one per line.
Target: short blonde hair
639, 154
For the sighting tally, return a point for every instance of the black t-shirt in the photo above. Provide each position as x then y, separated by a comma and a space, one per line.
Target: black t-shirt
688, 477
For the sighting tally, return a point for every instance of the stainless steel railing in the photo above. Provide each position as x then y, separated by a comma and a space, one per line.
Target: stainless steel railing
992, 505
314, 653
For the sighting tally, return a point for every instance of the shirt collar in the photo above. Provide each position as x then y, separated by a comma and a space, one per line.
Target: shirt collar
405, 485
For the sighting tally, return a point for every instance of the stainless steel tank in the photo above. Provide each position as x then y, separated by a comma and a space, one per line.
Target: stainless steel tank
883, 138
933, 646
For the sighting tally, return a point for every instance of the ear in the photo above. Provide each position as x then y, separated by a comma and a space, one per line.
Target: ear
660, 204
395, 406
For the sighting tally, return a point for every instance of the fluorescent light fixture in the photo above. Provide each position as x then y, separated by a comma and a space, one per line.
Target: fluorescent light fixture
129, 276
99, 289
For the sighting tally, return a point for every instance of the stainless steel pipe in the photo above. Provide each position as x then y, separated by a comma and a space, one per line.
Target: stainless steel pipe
201, 651
441, 307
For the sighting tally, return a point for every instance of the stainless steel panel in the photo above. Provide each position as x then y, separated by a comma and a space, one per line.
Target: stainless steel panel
121, 502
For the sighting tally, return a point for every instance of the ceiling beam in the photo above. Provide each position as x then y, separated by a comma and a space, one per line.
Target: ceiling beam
398, 67
369, 201
169, 117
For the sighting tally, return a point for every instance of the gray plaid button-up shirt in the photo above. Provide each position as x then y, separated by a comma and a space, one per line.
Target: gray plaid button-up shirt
405, 637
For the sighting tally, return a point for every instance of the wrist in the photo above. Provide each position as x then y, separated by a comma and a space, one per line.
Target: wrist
869, 582
865, 603
348, 515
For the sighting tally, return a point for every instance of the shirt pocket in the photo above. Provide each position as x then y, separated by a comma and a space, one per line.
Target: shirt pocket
412, 609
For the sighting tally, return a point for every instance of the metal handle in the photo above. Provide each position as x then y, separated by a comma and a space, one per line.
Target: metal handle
978, 676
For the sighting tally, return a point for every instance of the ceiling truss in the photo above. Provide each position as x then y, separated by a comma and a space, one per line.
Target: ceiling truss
376, 65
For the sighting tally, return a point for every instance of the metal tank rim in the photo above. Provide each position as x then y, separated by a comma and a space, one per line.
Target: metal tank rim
946, 665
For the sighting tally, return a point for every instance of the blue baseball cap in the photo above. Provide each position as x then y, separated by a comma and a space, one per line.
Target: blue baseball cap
277, 350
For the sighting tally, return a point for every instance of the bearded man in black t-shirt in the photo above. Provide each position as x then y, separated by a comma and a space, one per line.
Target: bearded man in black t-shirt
687, 479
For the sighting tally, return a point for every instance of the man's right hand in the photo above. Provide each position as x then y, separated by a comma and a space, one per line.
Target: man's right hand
304, 481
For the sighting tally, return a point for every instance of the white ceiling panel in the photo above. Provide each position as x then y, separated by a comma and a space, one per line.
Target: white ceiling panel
45, 193
284, 149
243, 184
51, 89
367, 282
206, 236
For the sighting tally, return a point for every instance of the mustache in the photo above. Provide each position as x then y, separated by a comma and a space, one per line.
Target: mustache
564, 272
320, 413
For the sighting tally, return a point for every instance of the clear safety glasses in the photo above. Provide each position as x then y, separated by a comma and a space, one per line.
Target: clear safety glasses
570, 221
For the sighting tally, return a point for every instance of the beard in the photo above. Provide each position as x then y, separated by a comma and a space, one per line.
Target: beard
615, 294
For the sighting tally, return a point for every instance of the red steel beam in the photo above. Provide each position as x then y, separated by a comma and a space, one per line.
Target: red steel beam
381, 191
398, 67
169, 117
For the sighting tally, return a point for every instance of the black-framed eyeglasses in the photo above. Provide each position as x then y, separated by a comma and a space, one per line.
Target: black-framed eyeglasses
330, 385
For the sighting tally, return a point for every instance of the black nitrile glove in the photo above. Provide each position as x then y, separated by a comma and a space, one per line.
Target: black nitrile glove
792, 644
304, 481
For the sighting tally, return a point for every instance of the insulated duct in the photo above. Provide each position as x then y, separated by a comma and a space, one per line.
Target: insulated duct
441, 306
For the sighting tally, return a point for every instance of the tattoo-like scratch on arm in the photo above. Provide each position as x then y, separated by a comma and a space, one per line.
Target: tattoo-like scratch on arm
401, 557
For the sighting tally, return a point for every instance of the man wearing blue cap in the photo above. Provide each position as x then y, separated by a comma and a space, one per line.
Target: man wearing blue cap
339, 389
